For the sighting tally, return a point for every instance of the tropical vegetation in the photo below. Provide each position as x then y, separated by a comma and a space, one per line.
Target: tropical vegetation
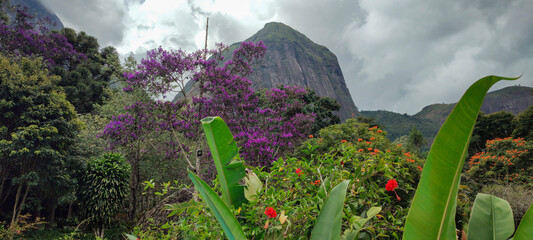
90, 148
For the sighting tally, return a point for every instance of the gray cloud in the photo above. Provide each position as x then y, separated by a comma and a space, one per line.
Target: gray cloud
226, 29
100, 18
197, 11
395, 55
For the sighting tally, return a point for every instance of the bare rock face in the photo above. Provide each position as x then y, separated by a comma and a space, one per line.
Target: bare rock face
513, 99
293, 59
36, 8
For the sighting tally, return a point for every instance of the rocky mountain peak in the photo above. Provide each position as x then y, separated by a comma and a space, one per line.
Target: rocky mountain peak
293, 59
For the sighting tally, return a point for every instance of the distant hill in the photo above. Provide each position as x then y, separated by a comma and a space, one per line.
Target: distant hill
510, 99
398, 125
436, 113
40, 11
513, 99
293, 59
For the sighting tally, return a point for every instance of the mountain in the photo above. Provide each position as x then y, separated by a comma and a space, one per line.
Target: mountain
36, 8
436, 113
510, 99
513, 99
398, 125
293, 59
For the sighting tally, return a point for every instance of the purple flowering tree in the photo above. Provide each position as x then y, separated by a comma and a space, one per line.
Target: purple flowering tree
264, 131
22, 37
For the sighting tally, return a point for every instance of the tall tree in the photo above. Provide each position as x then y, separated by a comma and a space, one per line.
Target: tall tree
37, 126
415, 141
495, 125
85, 82
524, 124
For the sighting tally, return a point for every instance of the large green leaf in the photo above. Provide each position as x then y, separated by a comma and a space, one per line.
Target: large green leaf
491, 218
328, 224
130, 237
525, 229
253, 186
225, 155
432, 212
222, 213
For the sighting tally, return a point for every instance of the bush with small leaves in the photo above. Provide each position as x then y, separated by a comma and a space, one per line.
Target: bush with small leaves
103, 186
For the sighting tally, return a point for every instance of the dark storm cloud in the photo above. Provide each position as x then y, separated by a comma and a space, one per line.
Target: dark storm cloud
226, 29
395, 55
403, 55
100, 18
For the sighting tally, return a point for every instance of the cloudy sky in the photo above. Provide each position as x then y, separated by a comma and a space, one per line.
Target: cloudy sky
396, 55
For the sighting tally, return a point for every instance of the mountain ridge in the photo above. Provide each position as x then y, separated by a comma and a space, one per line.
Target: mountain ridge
513, 99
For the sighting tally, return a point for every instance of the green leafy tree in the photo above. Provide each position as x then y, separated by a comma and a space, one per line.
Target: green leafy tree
102, 188
85, 82
524, 125
324, 109
496, 125
37, 126
370, 121
415, 140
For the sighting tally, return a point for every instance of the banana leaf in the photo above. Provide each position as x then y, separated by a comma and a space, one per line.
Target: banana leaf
222, 213
525, 229
491, 219
230, 170
328, 224
432, 212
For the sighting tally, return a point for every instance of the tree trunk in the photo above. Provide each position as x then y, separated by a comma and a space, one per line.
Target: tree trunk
51, 212
17, 197
22, 202
134, 182
69, 213
2, 183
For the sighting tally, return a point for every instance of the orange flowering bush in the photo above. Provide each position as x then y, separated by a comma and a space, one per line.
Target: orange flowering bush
504, 160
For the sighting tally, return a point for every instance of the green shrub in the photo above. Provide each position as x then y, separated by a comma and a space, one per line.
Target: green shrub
102, 188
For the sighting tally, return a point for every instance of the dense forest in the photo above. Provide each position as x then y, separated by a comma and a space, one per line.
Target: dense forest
90, 147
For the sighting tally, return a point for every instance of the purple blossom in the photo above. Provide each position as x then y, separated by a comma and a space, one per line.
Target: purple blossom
264, 132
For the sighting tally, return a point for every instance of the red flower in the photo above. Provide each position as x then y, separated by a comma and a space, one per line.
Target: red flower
343, 141
298, 171
310, 136
391, 185
270, 212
